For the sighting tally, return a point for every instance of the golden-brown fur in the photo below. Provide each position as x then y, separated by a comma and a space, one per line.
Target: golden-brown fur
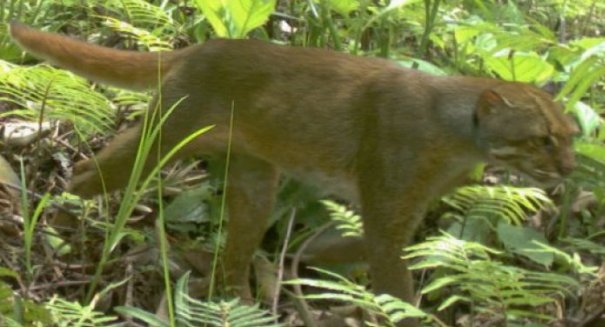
387, 137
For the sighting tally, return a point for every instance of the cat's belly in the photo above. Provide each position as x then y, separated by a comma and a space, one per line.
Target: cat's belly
338, 185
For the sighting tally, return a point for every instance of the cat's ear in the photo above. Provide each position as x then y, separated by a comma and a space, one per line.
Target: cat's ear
489, 102
552, 88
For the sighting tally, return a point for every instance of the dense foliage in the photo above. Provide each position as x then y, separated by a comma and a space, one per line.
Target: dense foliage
503, 254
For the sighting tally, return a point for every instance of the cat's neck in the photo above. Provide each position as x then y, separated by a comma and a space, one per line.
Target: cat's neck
454, 107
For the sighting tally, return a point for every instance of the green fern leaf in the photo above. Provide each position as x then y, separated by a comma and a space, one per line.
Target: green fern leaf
55, 94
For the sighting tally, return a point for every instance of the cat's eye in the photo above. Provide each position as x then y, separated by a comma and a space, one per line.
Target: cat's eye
548, 142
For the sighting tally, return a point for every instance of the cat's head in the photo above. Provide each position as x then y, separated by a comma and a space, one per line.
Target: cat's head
521, 127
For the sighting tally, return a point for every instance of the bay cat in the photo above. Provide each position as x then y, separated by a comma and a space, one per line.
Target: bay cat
386, 137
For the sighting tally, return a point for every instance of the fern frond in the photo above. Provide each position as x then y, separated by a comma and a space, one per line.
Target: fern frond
489, 285
348, 222
392, 310
130, 98
142, 13
73, 314
142, 36
504, 202
62, 95
191, 312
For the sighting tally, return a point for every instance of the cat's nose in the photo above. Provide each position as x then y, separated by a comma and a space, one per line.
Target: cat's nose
565, 167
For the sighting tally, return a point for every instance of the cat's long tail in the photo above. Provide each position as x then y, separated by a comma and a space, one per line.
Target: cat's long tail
126, 69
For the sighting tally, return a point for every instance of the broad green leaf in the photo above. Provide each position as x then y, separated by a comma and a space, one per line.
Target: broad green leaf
521, 40
585, 83
582, 77
465, 33
250, 14
189, 209
214, 10
589, 120
189, 206
235, 18
343, 7
592, 46
522, 67
520, 239
579, 71
563, 54
473, 229
595, 151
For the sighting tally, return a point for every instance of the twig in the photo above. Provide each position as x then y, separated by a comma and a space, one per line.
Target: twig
592, 316
282, 258
129, 291
38, 197
303, 306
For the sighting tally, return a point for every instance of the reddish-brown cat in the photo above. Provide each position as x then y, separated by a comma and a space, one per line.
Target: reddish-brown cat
389, 138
